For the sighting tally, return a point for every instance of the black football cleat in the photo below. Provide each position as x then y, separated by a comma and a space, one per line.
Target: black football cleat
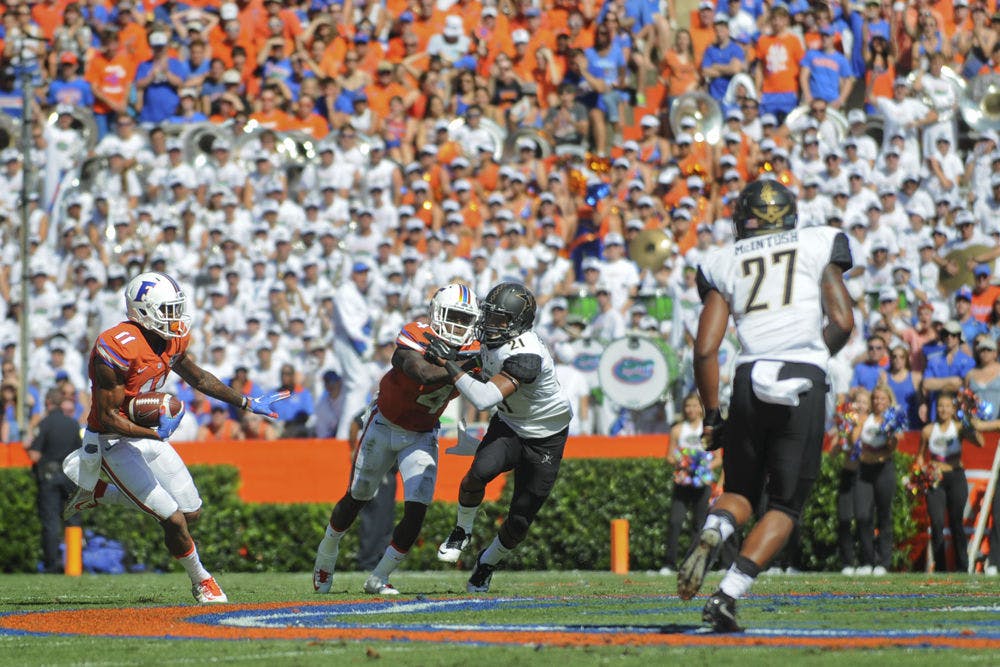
702, 555
720, 613
479, 580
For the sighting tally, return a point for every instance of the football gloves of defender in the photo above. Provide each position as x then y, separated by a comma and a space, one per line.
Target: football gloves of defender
438, 352
713, 430
261, 405
168, 425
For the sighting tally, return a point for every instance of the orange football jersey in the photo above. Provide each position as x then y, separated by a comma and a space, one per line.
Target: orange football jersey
126, 350
404, 401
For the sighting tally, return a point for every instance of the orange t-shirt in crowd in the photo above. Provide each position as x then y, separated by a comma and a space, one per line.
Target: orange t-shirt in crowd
424, 29
680, 75
379, 96
781, 56
982, 303
49, 16
226, 432
701, 39
314, 124
110, 77
133, 42
884, 82
125, 349
277, 120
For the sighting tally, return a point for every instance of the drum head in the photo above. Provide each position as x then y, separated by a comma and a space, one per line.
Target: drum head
633, 372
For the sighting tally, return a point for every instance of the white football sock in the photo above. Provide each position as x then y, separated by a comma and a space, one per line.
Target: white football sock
736, 583
329, 546
192, 565
390, 561
495, 553
466, 517
721, 524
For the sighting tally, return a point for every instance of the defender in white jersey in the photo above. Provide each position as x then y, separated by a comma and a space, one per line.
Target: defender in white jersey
527, 433
778, 283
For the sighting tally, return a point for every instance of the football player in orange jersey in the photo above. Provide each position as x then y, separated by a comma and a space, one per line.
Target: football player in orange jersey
402, 428
130, 358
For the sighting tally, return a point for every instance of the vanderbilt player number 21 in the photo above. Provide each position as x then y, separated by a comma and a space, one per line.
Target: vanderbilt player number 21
784, 289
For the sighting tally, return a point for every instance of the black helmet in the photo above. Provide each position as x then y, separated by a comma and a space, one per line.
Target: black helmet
506, 313
764, 207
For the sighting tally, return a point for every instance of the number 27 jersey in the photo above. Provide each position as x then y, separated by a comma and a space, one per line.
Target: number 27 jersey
772, 285
404, 401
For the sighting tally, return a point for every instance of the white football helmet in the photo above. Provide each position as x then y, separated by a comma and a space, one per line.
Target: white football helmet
156, 302
454, 311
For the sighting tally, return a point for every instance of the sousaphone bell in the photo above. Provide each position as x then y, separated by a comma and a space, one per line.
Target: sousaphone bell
650, 248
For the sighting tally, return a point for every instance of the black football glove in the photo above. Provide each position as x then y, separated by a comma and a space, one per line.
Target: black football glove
439, 352
713, 430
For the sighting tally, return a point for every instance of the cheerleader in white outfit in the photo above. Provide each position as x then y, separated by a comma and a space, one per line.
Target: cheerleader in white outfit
941, 446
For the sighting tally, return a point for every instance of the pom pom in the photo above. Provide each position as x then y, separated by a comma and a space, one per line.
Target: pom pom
893, 421
694, 468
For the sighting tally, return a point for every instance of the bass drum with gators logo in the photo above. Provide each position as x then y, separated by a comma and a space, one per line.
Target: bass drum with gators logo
634, 372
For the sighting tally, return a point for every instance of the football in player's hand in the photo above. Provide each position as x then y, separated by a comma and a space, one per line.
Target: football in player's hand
144, 409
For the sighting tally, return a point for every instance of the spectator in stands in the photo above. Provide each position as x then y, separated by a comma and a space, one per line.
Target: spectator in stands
826, 74
867, 372
945, 371
722, 60
777, 68
220, 426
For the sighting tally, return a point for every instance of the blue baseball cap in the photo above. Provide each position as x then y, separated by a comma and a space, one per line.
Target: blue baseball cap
963, 293
360, 266
981, 270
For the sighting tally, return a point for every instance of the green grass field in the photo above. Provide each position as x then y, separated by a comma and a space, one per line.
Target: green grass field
870, 617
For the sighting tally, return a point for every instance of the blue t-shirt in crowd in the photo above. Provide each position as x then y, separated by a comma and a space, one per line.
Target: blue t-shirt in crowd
825, 72
866, 375
160, 100
972, 328
715, 55
77, 92
939, 367
640, 10
605, 67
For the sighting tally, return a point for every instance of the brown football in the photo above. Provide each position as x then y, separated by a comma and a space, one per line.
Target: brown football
144, 409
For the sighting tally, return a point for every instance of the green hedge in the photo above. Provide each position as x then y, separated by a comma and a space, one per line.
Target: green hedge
571, 532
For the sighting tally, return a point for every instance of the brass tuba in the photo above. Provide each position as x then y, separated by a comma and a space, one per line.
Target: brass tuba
199, 139
796, 117
497, 133
650, 248
542, 141
980, 105
705, 111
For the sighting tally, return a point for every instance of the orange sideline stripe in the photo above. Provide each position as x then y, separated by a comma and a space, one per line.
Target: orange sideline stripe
318, 471
167, 622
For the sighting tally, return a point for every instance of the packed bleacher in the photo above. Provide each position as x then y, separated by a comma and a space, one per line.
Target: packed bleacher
311, 171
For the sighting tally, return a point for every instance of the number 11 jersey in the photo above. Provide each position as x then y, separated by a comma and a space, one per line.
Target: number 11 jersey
404, 401
772, 285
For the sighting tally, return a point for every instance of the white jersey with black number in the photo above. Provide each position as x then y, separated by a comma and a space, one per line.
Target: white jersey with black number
772, 285
537, 409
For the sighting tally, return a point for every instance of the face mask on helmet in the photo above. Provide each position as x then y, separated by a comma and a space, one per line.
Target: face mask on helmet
454, 312
155, 301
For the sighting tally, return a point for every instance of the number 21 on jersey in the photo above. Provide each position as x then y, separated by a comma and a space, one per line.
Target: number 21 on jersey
758, 268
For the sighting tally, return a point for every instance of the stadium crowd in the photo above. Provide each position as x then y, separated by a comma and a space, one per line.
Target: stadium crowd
364, 154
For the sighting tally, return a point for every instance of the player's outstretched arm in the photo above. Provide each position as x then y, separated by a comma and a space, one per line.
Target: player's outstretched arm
412, 364
109, 394
517, 369
208, 384
837, 306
